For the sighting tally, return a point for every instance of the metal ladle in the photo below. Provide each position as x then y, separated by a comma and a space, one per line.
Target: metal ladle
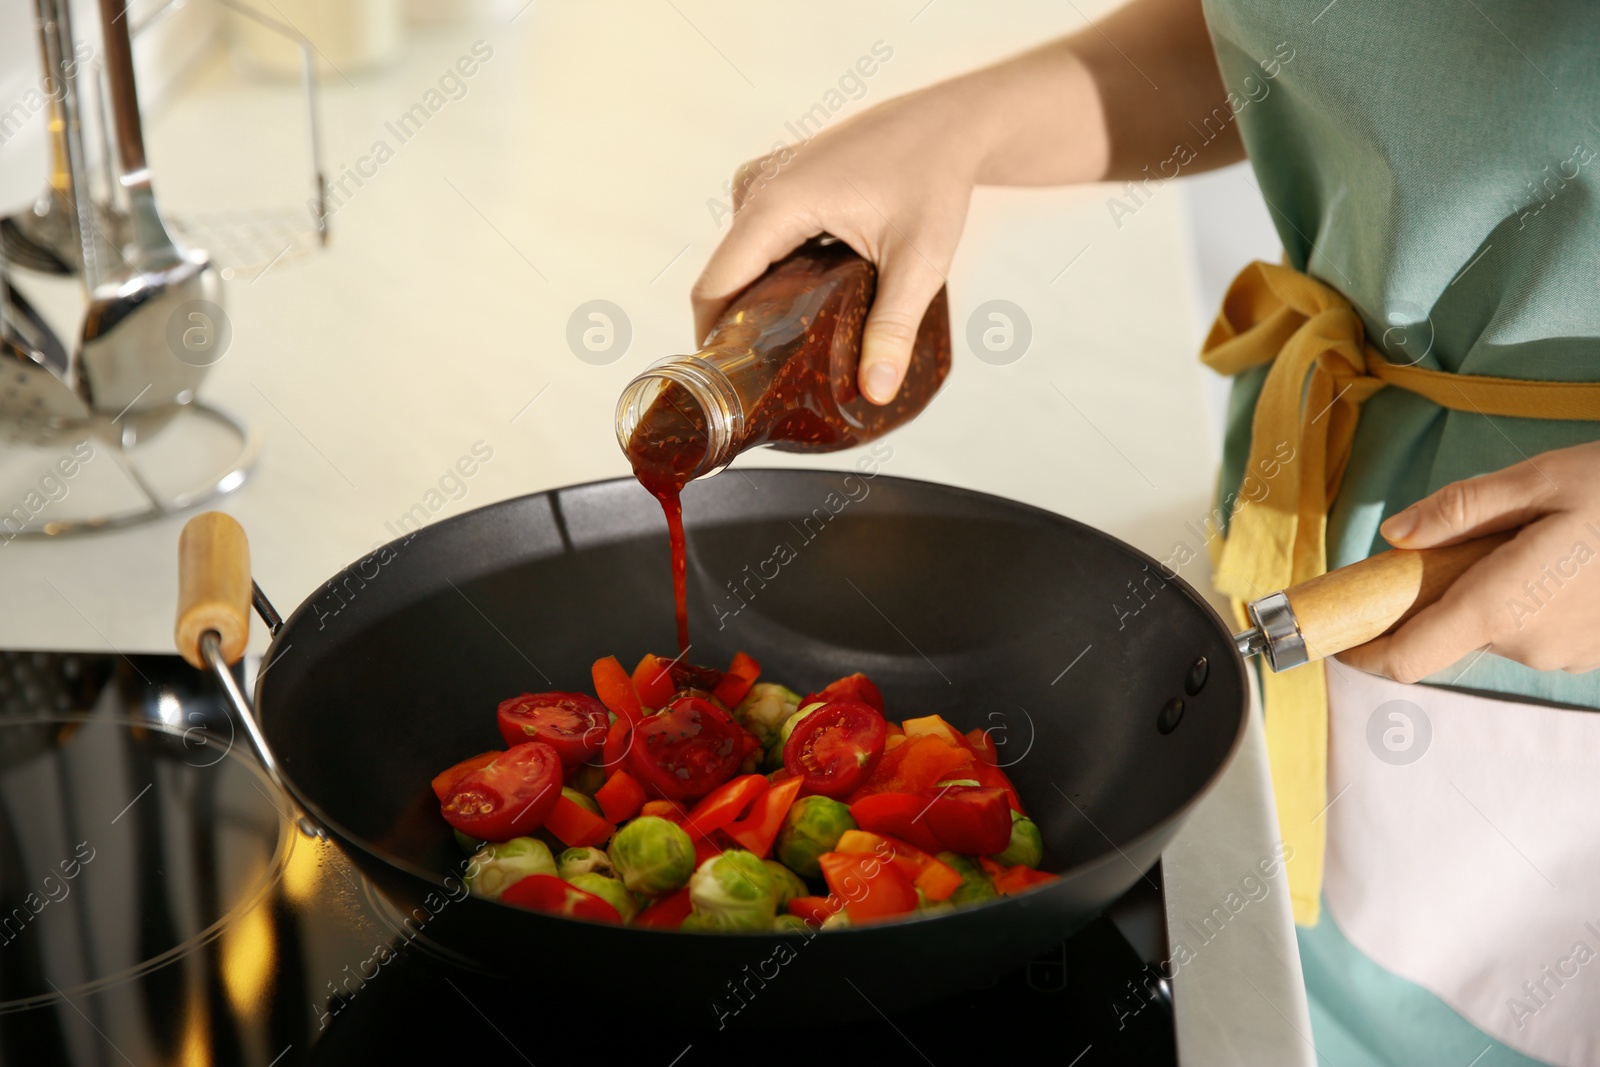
128, 365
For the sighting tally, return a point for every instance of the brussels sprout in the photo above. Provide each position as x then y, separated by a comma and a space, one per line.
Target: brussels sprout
575, 861
975, 885
785, 883
764, 709
609, 890
790, 924
587, 778
469, 845
812, 827
652, 855
587, 803
495, 867
1027, 844
733, 891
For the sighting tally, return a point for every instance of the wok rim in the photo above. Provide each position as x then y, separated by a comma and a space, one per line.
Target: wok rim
1165, 827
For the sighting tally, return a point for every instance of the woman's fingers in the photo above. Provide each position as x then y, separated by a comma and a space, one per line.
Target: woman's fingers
907, 284
757, 240
1471, 508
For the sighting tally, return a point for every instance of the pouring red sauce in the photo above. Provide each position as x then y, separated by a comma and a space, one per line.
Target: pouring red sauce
778, 368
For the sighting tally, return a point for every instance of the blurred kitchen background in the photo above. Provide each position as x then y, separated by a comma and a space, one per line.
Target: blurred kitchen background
494, 168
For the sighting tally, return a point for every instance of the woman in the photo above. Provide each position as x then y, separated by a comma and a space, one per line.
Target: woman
1432, 344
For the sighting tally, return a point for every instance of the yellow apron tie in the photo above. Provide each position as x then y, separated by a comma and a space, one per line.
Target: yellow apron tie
1322, 372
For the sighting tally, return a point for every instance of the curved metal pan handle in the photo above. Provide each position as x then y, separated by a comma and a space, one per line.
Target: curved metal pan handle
1350, 606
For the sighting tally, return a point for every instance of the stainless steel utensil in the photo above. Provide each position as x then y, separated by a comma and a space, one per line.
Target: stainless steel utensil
129, 367
38, 405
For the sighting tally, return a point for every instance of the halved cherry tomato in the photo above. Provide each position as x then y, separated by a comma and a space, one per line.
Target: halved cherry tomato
935, 878
723, 804
669, 810
621, 797
1009, 881
547, 893
815, 909
741, 675
508, 797
688, 749
874, 889
574, 724
652, 680
576, 826
667, 913
916, 764
759, 829
618, 739
444, 782
971, 820
898, 815
834, 749
615, 689
855, 686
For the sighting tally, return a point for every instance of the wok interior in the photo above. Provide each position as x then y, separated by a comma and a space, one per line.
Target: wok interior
955, 603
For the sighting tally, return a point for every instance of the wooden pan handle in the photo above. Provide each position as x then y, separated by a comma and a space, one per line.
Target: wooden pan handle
213, 586
1354, 604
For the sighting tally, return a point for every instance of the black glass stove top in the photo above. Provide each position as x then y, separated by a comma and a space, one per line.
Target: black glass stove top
158, 906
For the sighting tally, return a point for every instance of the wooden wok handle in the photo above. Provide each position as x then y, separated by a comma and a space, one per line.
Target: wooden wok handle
213, 586
1352, 605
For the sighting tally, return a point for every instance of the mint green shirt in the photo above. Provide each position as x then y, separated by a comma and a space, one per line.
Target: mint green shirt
1438, 163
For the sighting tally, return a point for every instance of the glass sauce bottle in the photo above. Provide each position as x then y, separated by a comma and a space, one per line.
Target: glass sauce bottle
778, 368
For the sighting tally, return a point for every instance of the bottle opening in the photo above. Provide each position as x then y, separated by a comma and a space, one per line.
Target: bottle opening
679, 420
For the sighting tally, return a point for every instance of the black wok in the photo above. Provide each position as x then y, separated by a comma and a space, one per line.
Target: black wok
1117, 697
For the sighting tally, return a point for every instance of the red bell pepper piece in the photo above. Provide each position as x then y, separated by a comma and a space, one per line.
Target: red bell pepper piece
873, 888
618, 740
917, 763
815, 909
667, 913
576, 826
615, 689
547, 893
759, 829
705, 848
986, 767
900, 815
935, 878
723, 804
652, 680
669, 810
741, 675
1009, 881
971, 820
444, 783
620, 798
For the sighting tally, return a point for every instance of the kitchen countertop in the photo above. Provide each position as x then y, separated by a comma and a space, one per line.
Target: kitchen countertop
584, 159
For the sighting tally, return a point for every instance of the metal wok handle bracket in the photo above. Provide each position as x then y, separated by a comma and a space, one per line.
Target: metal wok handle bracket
1352, 605
215, 595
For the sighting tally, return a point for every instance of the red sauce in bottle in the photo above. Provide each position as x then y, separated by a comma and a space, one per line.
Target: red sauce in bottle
779, 368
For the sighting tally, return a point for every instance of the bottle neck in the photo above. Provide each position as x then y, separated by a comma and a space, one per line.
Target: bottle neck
681, 389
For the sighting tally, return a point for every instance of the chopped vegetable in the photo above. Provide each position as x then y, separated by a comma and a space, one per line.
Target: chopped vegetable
874, 889
835, 748
495, 867
508, 797
615, 690
574, 724
896, 815
814, 910
723, 804
972, 821
1027, 844
584, 860
574, 825
609, 890
813, 826
444, 782
1009, 881
975, 884
933, 878
759, 828
688, 749
620, 798
547, 893
586, 778
764, 709
619, 738
933, 726
917, 764
732, 891
667, 913
786, 885
670, 810
652, 681
855, 686
738, 679
652, 856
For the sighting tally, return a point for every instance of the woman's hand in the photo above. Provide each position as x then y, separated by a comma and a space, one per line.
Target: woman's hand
1535, 599
894, 181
